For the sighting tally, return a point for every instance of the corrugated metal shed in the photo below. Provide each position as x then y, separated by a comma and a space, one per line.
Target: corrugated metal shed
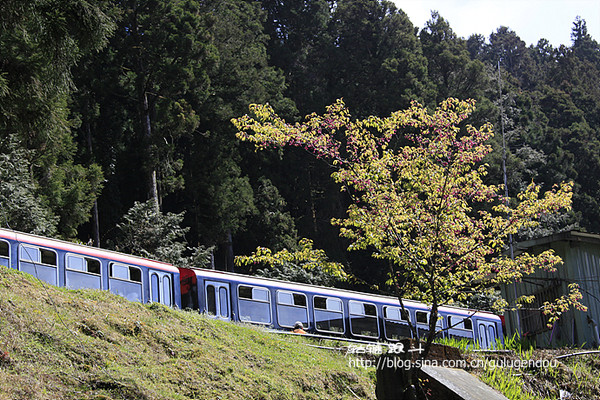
581, 264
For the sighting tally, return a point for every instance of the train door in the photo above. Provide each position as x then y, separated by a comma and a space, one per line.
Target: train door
487, 334
161, 288
218, 302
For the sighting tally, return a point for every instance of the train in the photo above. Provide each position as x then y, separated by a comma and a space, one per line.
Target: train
227, 296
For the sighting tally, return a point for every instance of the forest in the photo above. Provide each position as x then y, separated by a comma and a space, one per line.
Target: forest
115, 118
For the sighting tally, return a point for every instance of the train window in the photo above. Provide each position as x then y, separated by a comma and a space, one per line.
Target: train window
119, 271
466, 323
459, 327
48, 257
363, 319
329, 315
4, 249
154, 285
83, 264
29, 253
396, 323
82, 272
395, 313
126, 272
245, 292
291, 299
211, 303
254, 293
37, 255
126, 280
492, 332
93, 266
224, 302
328, 303
167, 288
76, 263
254, 304
453, 324
422, 317
39, 262
291, 308
135, 274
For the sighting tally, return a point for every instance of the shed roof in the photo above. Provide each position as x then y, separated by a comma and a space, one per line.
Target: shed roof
569, 236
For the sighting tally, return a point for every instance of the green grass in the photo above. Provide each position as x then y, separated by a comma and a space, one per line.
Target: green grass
545, 377
463, 345
508, 384
85, 344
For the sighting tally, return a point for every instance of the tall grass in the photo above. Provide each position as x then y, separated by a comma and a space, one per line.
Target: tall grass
510, 385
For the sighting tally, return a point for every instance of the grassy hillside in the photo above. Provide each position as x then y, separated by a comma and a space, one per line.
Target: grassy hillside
61, 344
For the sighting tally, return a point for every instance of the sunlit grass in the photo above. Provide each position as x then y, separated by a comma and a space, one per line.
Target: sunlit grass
87, 344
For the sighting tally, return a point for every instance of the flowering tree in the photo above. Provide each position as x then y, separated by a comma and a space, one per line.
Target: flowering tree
419, 197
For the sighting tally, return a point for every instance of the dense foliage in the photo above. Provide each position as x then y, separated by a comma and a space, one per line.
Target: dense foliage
306, 265
108, 103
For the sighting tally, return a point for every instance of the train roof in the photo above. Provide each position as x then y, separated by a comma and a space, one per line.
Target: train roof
367, 297
85, 250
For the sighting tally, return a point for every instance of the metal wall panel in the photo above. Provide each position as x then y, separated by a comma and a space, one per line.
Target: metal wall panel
581, 265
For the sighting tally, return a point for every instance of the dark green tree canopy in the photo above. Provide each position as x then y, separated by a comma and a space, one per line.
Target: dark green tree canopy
107, 104
40, 41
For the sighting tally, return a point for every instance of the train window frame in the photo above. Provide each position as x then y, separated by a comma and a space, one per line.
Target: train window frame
7, 256
166, 277
152, 281
460, 325
255, 289
87, 264
211, 300
364, 314
130, 268
470, 321
421, 312
340, 311
388, 321
224, 300
42, 255
294, 295
493, 333
401, 312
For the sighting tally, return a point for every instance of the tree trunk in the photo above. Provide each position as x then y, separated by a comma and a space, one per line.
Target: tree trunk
394, 380
95, 225
312, 200
95, 217
144, 108
229, 253
152, 185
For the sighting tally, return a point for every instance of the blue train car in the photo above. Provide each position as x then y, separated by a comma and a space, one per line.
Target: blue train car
327, 311
77, 266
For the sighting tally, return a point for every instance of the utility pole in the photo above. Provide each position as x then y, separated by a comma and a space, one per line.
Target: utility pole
504, 155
